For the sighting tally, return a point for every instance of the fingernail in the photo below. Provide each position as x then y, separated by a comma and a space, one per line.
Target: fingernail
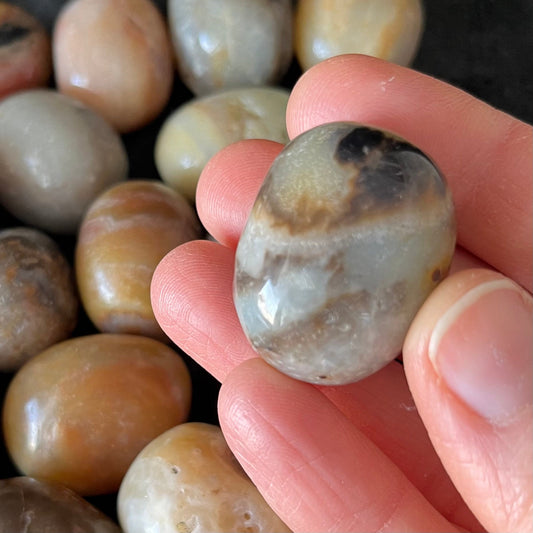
482, 349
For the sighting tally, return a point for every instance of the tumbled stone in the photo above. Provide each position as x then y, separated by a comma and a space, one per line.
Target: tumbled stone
197, 130
388, 29
38, 303
116, 57
125, 233
25, 57
351, 230
79, 412
230, 43
188, 481
56, 156
28, 505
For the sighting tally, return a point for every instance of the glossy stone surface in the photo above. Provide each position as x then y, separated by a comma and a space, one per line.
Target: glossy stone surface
116, 57
388, 29
230, 43
56, 156
188, 481
28, 505
38, 300
197, 130
25, 57
124, 235
351, 230
79, 412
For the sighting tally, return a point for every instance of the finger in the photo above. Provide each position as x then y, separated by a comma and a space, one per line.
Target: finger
288, 436
229, 184
382, 408
191, 299
468, 361
486, 155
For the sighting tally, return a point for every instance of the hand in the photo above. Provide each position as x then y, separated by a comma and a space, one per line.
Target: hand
386, 453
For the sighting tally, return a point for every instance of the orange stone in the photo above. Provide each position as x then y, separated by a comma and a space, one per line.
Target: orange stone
79, 412
115, 56
25, 57
124, 235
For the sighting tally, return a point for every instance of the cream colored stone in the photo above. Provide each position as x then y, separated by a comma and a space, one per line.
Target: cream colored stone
230, 43
200, 128
388, 29
188, 481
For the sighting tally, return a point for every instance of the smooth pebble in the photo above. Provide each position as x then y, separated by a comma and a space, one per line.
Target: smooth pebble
39, 302
198, 129
188, 481
350, 232
79, 412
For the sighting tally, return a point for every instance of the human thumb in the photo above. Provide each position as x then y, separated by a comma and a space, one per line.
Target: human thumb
469, 363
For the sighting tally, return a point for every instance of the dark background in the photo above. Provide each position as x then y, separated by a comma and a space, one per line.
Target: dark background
482, 46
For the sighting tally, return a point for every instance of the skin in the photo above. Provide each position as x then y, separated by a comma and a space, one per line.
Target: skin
440, 443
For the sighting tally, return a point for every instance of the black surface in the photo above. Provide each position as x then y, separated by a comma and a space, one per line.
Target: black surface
483, 46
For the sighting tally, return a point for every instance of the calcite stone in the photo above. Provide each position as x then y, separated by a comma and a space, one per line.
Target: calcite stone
38, 303
351, 230
79, 412
125, 233
388, 29
116, 57
197, 130
25, 58
188, 481
56, 156
230, 43
28, 505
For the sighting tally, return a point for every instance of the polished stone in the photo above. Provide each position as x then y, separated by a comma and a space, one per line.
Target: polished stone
56, 156
39, 302
125, 233
28, 505
79, 412
198, 129
388, 29
230, 43
351, 230
116, 57
188, 481
25, 57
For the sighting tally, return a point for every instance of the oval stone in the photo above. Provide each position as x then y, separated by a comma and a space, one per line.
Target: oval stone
197, 130
230, 43
31, 505
56, 156
187, 480
39, 302
350, 232
388, 29
116, 57
79, 412
125, 233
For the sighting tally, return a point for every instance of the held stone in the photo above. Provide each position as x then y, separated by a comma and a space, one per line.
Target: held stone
350, 232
